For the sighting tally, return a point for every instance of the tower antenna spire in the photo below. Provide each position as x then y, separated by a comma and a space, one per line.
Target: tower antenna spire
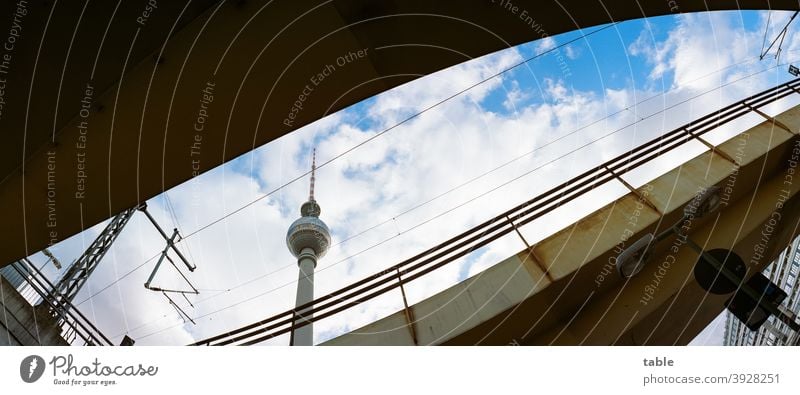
313, 174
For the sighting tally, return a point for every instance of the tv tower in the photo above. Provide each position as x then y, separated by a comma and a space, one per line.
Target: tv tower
308, 240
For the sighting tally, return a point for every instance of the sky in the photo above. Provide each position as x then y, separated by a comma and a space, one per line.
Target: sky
432, 177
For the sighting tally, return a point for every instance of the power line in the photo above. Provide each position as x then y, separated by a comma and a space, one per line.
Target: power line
531, 152
781, 36
490, 230
766, 31
402, 122
353, 148
223, 291
463, 203
175, 221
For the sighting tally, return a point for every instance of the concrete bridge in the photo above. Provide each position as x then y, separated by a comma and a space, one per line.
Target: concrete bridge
565, 289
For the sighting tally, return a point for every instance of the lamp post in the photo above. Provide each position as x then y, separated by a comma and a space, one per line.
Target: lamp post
631, 261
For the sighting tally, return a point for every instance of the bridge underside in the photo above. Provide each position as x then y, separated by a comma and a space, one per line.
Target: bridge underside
142, 79
565, 289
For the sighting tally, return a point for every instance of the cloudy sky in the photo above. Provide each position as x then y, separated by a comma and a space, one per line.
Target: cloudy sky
431, 178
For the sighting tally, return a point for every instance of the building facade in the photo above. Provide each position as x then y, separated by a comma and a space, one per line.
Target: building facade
784, 272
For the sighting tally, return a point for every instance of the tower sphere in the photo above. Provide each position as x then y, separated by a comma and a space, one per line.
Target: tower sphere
309, 231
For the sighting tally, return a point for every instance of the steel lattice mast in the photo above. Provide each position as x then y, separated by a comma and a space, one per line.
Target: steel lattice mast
78, 273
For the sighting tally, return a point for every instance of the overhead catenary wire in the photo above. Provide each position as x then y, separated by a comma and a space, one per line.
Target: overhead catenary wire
402, 122
432, 199
360, 144
781, 36
174, 218
222, 291
272, 272
175, 221
766, 31
431, 259
471, 180
250, 281
464, 203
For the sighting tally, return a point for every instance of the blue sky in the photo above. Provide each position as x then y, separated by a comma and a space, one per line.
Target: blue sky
244, 270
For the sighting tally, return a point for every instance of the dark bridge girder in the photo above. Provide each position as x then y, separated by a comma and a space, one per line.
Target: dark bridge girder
254, 57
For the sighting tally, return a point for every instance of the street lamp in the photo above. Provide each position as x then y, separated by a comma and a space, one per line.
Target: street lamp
631, 261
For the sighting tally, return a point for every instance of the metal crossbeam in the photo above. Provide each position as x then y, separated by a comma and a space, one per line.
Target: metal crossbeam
170, 240
165, 256
778, 39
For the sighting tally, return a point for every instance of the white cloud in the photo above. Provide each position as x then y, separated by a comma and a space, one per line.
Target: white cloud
516, 97
572, 52
398, 103
545, 45
703, 43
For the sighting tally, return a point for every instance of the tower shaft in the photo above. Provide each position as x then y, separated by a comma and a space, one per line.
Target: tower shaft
307, 261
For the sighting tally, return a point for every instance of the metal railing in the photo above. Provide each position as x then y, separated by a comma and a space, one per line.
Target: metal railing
499, 226
72, 322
